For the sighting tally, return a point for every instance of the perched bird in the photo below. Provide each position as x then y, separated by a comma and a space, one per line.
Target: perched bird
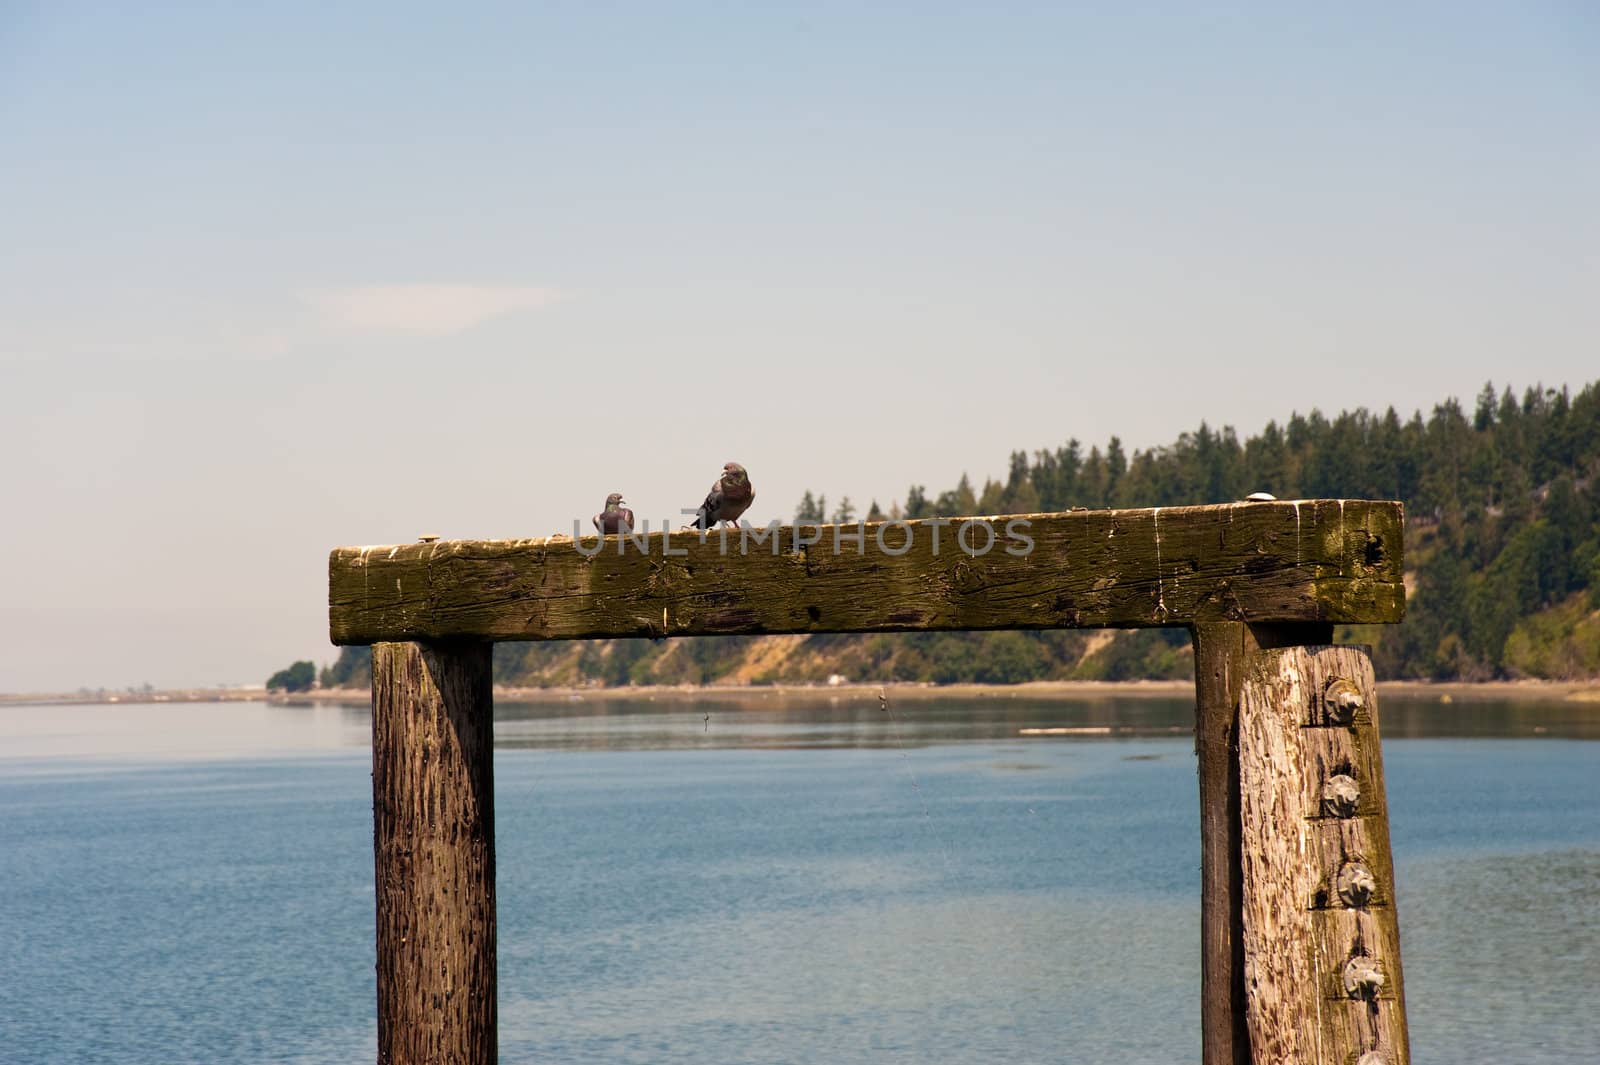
730, 497
616, 518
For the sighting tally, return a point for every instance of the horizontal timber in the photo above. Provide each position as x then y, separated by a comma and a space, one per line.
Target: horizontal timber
1318, 560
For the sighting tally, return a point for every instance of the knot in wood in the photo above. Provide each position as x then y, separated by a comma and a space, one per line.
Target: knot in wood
1355, 884
1362, 977
965, 576
1341, 700
1340, 794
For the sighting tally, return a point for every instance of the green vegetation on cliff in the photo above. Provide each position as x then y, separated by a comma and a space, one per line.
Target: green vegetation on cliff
1502, 553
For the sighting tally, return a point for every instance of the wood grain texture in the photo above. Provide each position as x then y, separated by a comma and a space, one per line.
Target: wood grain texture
1313, 560
1221, 650
433, 840
1319, 913
1219, 656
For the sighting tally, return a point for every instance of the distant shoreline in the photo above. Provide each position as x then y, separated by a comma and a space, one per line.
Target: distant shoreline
175, 695
1530, 690
1446, 691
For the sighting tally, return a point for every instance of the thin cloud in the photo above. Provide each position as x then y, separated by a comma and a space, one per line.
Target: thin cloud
429, 310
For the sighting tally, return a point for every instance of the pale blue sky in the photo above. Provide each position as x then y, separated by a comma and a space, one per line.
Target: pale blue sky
278, 279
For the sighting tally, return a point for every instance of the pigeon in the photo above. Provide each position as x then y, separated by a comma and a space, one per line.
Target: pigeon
730, 497
616, 518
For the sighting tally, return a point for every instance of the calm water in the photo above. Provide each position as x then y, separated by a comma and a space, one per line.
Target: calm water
783, 882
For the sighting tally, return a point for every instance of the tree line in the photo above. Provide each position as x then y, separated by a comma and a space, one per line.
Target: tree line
1502, 550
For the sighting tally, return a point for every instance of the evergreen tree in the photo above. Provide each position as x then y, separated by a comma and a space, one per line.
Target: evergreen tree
810, 510
958, 502
992, 499
1116, 469
1483, 416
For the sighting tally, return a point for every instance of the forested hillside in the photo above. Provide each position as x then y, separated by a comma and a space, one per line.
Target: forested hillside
1502, 553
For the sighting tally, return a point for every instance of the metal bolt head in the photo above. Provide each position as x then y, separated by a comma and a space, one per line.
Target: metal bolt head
1363, 978
1260, 497
1355, 884
1340, 794
1341, 700
427, 538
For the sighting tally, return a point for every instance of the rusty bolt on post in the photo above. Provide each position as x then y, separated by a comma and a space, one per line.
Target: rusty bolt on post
1355, 884
1362, 977
1342, 700
1340, 794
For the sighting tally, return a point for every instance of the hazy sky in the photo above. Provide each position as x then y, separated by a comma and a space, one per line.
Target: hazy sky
281, 277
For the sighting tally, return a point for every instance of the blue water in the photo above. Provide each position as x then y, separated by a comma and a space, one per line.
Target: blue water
819, 884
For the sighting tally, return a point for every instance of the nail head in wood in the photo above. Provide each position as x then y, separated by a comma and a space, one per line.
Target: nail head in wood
427, 538
1362, 977
1342, 700
1355, 884
1340, 794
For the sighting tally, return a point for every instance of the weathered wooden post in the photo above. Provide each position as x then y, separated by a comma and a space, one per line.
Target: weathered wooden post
1221, 650
1244, 578
433, 841
1226, 649
1321, 940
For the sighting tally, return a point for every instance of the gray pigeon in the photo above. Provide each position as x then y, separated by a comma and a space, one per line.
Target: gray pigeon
730, 497
616, 518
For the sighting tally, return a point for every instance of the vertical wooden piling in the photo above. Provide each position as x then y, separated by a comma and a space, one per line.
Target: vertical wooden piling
433, 840
1321, 940
1221, 650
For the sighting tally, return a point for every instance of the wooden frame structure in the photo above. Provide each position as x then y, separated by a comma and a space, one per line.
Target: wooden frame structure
1300, 949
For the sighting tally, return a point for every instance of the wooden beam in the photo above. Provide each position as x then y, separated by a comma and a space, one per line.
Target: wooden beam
1321, 939
1306, 561
433, 841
